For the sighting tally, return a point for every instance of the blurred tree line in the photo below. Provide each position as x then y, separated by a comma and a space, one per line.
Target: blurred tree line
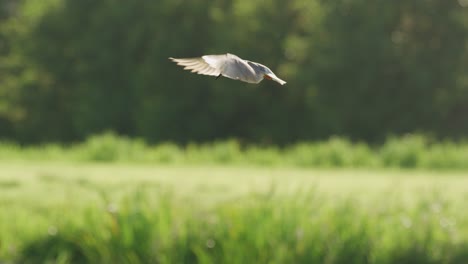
358, 68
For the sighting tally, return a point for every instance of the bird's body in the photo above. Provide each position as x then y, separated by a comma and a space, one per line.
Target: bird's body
230, 66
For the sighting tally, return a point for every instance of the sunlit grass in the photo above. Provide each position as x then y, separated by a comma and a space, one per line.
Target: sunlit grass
118, 213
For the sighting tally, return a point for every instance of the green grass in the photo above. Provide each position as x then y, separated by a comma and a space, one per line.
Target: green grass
411, 151
75, 212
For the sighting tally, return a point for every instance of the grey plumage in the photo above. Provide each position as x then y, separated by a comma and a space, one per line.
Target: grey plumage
230, 66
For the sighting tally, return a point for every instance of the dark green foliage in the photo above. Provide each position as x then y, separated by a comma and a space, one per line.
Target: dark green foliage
355, 68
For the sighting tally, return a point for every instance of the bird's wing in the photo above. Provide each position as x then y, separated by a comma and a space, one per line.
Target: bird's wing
238, 69
198, 65
228, 65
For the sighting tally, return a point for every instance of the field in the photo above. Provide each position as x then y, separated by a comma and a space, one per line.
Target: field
84, 212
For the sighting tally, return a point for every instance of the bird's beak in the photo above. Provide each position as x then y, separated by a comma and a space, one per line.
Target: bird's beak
273, 77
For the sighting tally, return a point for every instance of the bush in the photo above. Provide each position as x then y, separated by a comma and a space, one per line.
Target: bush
109, 147
411, 151
405, 152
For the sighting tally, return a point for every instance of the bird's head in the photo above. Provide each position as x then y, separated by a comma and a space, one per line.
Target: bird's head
265, 72
269, 75
264, 69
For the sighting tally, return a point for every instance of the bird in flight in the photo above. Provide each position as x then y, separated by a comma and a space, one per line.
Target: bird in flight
230, 66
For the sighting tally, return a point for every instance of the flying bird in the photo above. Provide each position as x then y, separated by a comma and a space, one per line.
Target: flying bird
230, 66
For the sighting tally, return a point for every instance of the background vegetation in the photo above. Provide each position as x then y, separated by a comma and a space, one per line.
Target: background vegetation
412, 151
355, 68
91, 109
56, 212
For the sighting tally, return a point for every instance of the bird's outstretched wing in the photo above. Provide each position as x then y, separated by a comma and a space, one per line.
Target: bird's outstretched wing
228, 65
238, 69
198, 65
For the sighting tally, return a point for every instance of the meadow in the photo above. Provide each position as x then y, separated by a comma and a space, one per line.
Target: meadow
68, 207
